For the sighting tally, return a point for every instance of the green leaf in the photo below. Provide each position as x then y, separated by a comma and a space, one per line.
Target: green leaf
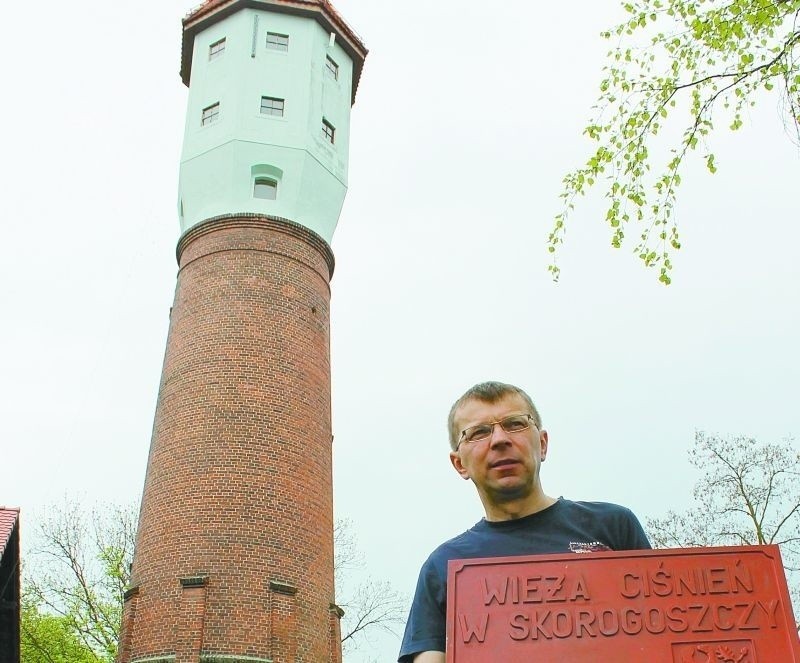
711, 55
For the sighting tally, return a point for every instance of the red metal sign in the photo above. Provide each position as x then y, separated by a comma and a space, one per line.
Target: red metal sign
696, 605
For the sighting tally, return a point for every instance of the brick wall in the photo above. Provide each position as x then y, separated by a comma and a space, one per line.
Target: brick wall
234, 554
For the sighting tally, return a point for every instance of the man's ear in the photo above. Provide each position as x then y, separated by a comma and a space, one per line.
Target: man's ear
543, 443
455, 460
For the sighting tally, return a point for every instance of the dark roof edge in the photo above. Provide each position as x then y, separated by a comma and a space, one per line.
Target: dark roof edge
4, 539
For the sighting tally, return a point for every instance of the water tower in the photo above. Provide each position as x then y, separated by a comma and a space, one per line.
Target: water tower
234, 552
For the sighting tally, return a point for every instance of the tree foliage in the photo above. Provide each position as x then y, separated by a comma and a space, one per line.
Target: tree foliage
705, 57
748, 494
79, 571
48, 638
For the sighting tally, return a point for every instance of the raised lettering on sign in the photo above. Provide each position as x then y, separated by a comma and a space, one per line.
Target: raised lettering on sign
534, 589
703, 605
664, 581
473, 628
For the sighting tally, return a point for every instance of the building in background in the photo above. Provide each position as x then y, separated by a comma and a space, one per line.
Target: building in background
234, 552
9, 585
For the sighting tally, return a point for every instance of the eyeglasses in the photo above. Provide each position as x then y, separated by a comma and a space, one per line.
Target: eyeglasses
513, 424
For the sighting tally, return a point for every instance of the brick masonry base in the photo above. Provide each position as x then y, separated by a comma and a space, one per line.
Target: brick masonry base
234, 553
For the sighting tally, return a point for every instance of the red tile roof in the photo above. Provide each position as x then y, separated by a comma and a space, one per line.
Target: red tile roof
204, 14
8, 519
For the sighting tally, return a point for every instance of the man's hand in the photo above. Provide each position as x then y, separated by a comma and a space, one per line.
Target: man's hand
429, 657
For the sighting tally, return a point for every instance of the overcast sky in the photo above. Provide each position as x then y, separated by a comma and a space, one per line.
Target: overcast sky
467, 117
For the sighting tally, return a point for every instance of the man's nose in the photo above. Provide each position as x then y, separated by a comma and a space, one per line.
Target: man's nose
498, 436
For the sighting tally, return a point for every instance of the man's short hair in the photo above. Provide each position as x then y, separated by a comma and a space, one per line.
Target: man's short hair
488, 392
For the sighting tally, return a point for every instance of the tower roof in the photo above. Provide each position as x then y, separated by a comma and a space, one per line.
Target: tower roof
8, 519
211, 11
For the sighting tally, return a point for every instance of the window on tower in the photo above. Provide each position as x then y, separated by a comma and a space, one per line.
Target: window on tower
277, 42
265, 188
328, 130
332, 67
210, 114
272, 106
216, 49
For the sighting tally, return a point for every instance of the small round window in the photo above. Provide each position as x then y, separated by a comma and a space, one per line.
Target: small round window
265, 189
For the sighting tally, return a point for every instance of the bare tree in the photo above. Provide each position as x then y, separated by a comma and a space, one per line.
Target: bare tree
748, 494
370, 605
79, 570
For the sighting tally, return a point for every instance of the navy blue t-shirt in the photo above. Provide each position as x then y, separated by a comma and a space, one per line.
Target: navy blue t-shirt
566, 526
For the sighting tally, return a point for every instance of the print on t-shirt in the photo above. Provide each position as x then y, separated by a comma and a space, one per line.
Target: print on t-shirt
594, 546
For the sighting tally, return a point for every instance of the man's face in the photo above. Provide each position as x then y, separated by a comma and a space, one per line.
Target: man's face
503, 466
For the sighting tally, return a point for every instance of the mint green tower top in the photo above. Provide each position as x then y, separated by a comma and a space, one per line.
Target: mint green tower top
271, 83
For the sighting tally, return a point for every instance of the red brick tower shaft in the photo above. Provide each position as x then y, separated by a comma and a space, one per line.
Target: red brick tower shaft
234, 554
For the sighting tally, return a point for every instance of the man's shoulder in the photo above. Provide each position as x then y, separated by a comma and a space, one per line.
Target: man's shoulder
617, 524
468, 544
598, 508
458, 545
594, 514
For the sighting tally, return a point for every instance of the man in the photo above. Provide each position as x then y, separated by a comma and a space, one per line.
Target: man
497, 441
